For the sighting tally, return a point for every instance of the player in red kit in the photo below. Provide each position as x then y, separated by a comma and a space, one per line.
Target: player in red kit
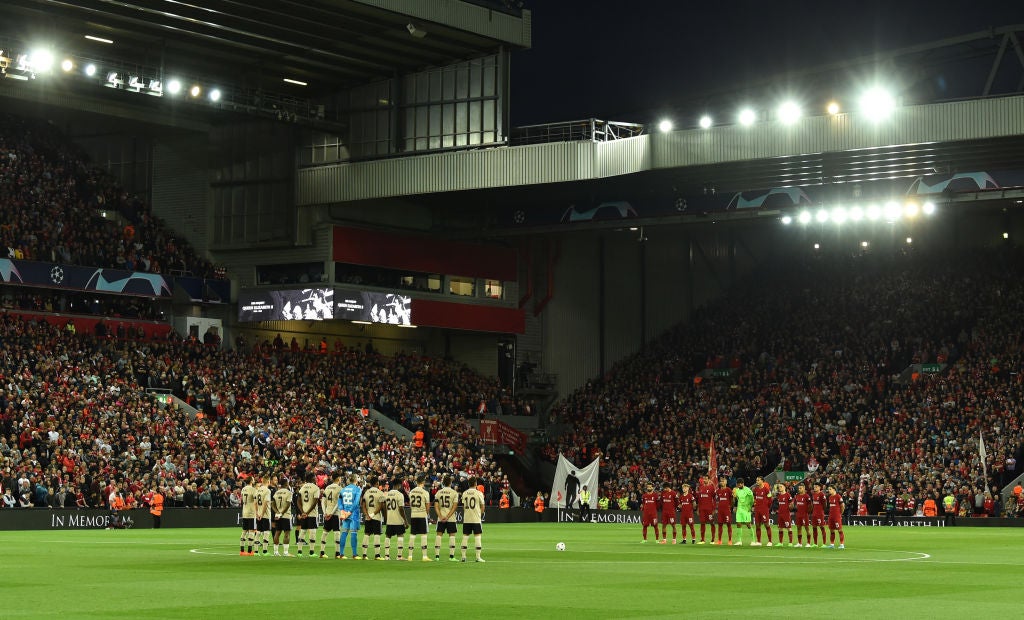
784, 519
669, 500
649, 517
762, 510
686, 501
706, 506
803, 519
723, 497
818, 500
835, 518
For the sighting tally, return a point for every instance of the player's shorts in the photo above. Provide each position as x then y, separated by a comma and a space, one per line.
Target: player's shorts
724, 517
835, 524
249, 524
419, 526
743, 516
761, 518
262, 525
371, 526
394, 530
802, 521
818, 521
472, 528
284, 524
785, 524
447, 527
351, 524
669, 519
648, 519
331, 523
309, 523
707, 516
686, 518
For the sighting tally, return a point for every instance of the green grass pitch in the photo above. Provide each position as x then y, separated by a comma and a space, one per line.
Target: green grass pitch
604, 573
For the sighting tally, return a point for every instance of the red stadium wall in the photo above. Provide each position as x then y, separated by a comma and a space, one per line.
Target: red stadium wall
396, 251
87, 324
431, 313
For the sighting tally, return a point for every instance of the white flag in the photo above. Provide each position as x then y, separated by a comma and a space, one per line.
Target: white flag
981, 446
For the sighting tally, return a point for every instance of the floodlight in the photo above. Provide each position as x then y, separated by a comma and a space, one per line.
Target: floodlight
789, 112
41, 60
892, 211
1006, 235
296, 82
804, 217
877, 104
910, 210
664, 125
874, 212
910, 240
747, 117
856, 214
839, 215
787, 220
705, 122
832, 108
215, 94
90, 70
195, 91
174, 87
864, 244
928, 208
817, 246
99, 39
67, 65
821, 216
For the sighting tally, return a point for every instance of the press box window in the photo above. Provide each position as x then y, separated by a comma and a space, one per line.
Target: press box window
462, 286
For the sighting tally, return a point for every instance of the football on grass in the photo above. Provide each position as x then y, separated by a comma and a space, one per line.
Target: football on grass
560, 546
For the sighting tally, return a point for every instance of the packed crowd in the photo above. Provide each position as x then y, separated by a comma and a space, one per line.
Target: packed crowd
810, 377
75, 418
50, 206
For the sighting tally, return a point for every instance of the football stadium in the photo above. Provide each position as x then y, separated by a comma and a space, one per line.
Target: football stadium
298, 318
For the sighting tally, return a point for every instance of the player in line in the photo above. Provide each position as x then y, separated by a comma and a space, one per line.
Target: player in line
262, 515
706, 507
348, 511
419, 506
248, 519
744, 499
472, 501
723, 495
309, 501
686, 500
445, 502
835, 518
762, 510
329, 506
372, 505
397, 522
785, 521
282, 515
649, 516
803, 521
669, 500
818, 501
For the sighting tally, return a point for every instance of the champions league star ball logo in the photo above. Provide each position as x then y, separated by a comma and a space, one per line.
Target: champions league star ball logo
56, 274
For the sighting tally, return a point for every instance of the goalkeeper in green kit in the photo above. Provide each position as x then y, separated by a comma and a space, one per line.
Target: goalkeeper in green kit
744, 504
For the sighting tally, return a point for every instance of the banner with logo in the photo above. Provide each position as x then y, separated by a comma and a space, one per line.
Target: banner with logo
895, 521
495, 432
570, 480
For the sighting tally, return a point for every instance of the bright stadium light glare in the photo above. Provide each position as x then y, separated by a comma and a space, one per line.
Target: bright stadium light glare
665, 125
747, 117
195, 91
839, 215
864, 244
215, 95
928, 208
832, 108
787, 220
705, 122
817, 246
856, 214
910, 210
874, 212
821, 216
90, 70
1006, 235
42, 60
804, 217
910, 240
174, 87
67, 65
892, 211
877, 104
789, 112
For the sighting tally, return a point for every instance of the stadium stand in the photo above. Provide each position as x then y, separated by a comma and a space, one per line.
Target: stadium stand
816, 371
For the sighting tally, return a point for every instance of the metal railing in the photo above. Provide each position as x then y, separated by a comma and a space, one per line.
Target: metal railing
585, 130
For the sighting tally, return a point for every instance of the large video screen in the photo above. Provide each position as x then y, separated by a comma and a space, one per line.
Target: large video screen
390, 308
308, 304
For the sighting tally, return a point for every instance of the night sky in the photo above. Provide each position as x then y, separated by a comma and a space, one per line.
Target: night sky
614, 60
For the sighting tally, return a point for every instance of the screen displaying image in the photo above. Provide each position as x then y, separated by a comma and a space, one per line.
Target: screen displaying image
390, 308
310, 304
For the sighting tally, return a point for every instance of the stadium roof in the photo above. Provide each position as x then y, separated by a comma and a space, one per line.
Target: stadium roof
329, 44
